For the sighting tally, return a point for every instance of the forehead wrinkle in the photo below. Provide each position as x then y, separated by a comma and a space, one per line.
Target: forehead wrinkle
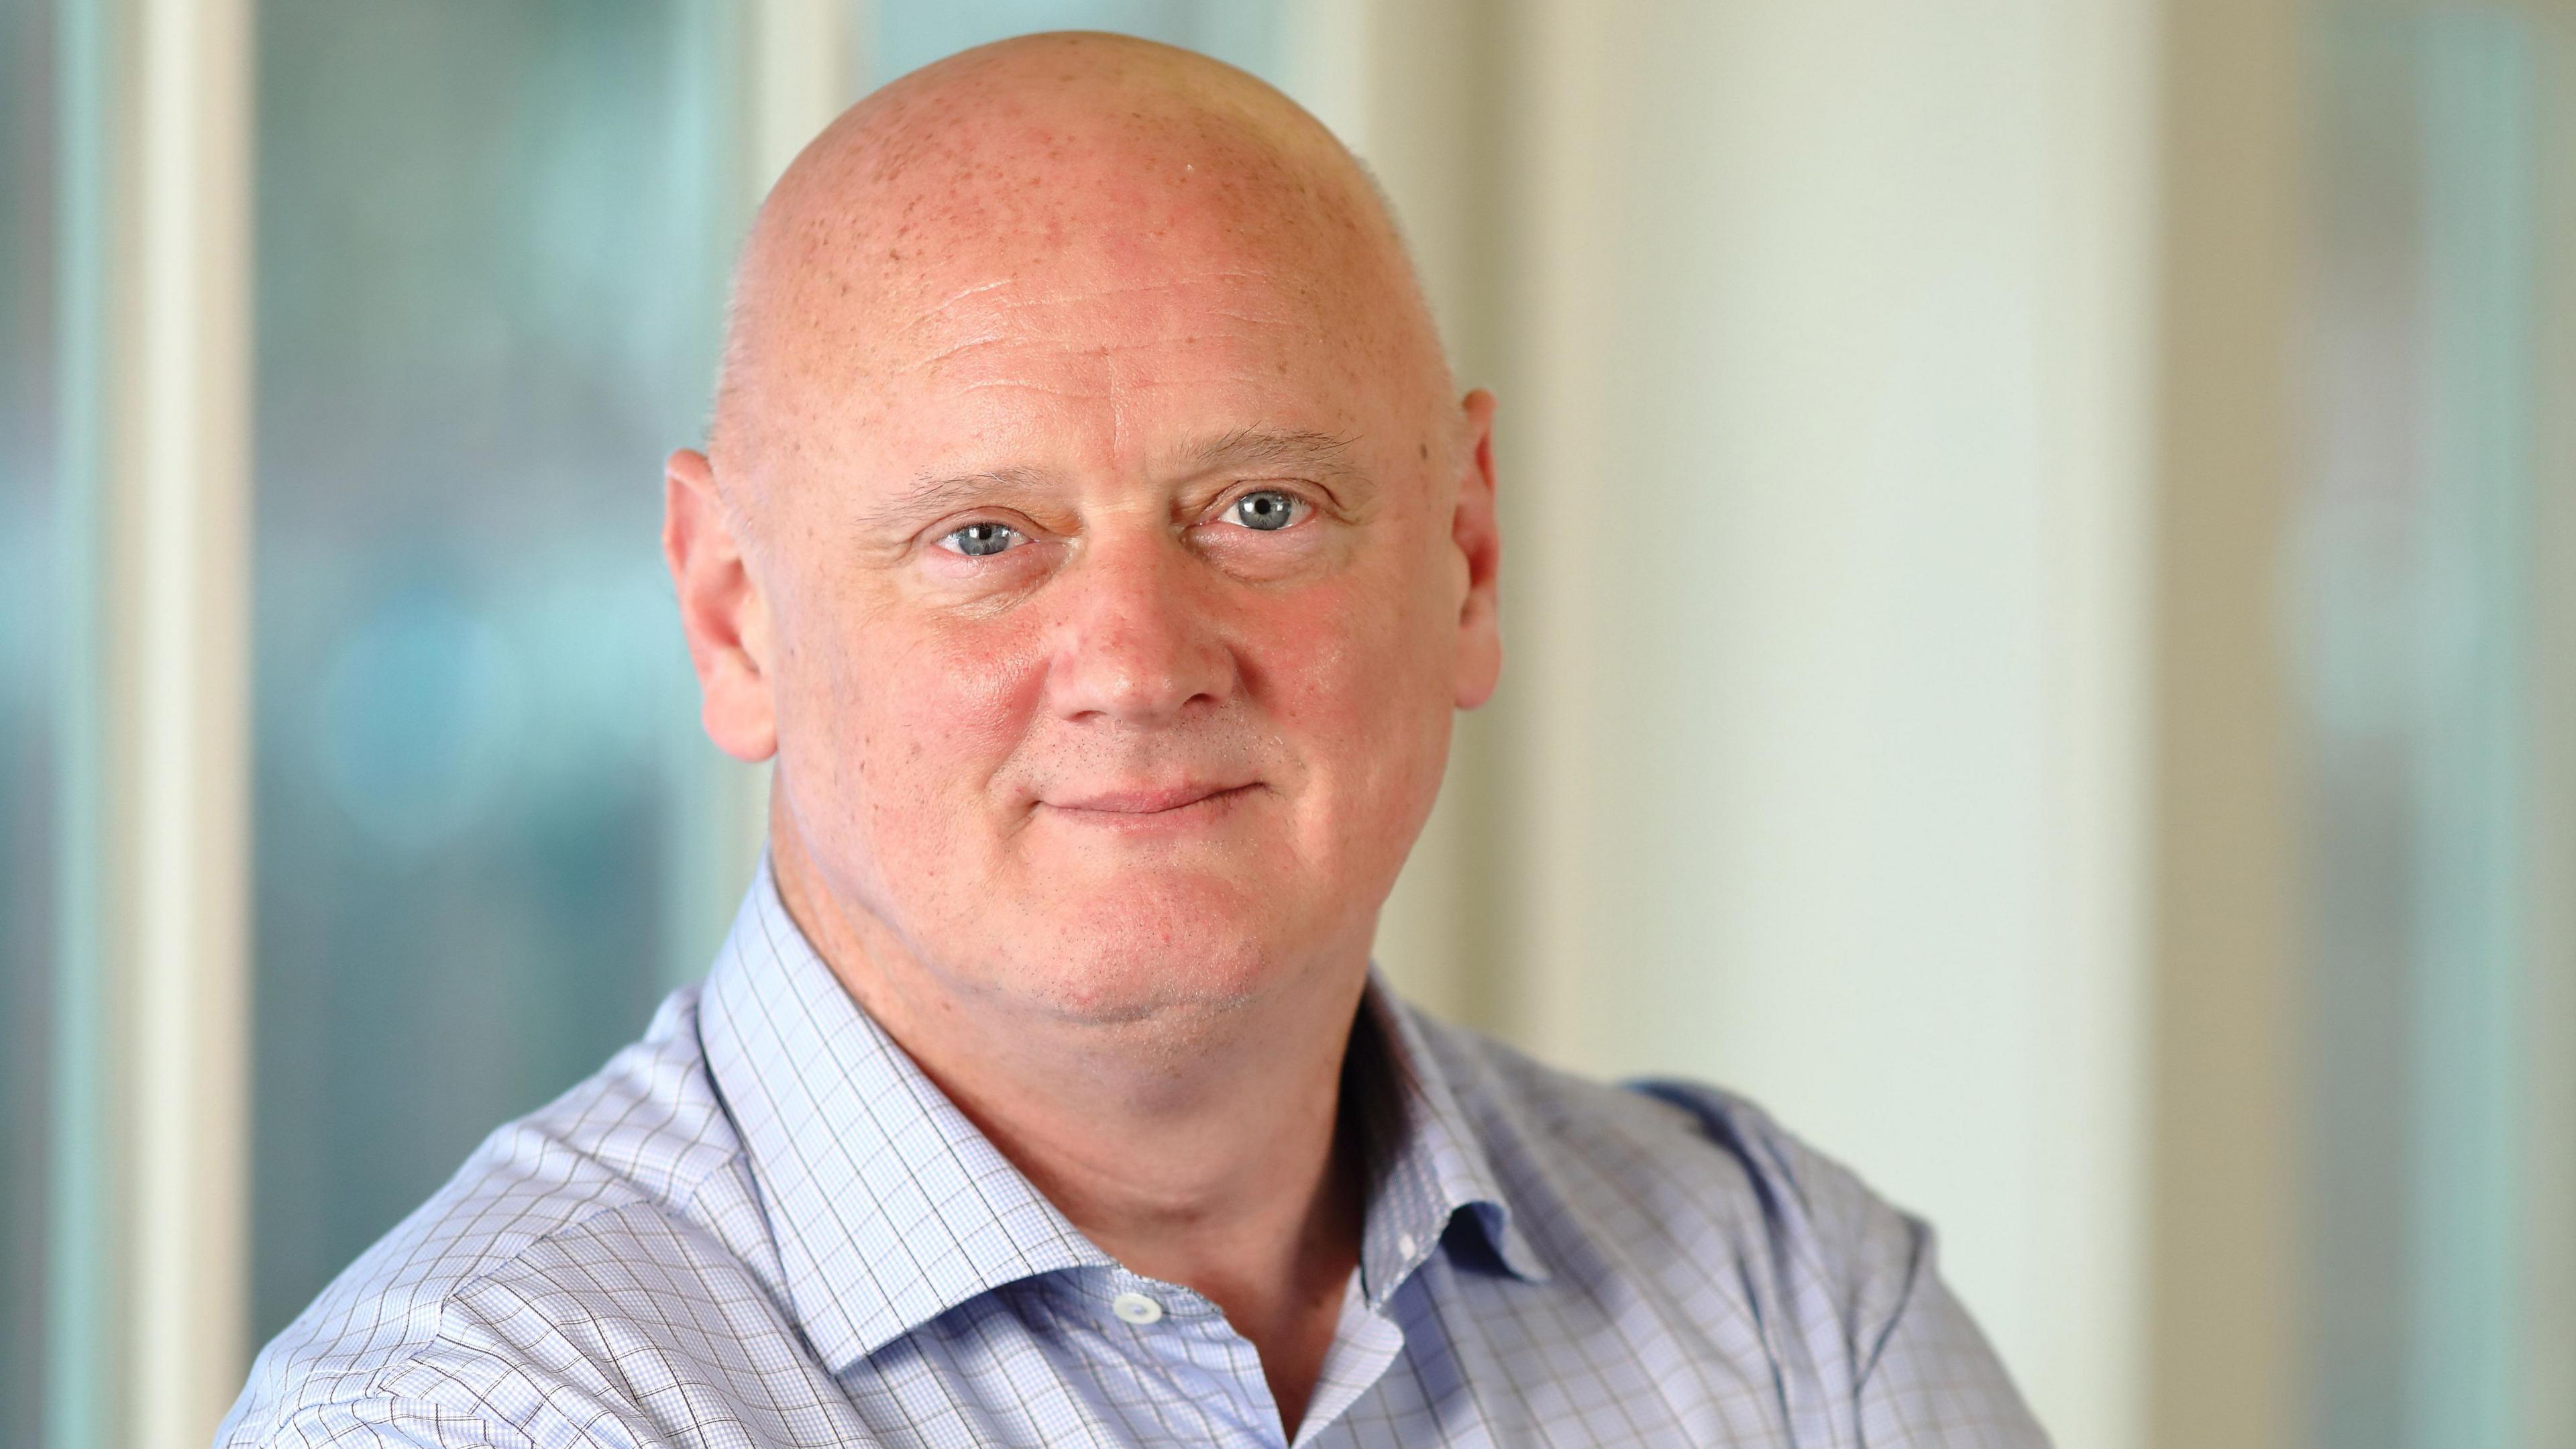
994, 316
1087, 348
956, 350
965, 295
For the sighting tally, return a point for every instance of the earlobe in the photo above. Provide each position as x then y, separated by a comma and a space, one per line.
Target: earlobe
722, 614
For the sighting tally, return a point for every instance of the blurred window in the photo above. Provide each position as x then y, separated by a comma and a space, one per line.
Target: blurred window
29, 668
490, 243
906, 36
2421, 543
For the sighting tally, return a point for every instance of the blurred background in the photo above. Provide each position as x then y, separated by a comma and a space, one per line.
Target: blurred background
2040, 595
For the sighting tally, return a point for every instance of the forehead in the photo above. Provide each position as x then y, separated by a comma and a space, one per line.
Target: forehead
1186, 327
979, 263
1122, 334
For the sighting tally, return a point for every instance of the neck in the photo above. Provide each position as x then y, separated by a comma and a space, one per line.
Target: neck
1206, 1152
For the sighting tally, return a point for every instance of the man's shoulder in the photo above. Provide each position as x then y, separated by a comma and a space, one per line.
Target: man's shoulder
630, 1183
1693, 1171
1694, 1202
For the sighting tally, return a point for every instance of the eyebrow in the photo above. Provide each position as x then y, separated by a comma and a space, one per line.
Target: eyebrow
1319, 457
929, 497
1256, 449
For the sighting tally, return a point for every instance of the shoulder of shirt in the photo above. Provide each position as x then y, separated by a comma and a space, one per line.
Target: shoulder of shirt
618, 1164
1712, 1173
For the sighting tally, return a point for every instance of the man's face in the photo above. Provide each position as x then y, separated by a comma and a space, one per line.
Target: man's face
1117, 619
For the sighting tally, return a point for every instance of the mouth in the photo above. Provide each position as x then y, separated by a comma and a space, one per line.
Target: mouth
1144, 805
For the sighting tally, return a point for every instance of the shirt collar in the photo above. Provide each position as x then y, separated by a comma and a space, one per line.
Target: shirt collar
890, 1207
1429, 1162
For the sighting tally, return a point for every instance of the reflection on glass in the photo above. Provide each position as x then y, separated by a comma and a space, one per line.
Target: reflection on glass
489, 244
28, 587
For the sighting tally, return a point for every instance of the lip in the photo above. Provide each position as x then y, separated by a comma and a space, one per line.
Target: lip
1150, 800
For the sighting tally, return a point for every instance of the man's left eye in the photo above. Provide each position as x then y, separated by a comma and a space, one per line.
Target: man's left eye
1267, 510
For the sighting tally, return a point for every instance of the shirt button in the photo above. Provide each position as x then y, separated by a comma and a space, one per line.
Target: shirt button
1405, 1245
1136, 1308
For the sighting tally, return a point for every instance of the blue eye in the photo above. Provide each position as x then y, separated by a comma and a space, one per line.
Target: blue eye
980, 540
1267, 510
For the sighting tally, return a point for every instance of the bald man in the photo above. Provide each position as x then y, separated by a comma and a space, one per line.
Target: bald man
1091, 532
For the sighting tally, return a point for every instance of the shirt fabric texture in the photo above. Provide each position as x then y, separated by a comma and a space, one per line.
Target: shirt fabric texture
763, 1225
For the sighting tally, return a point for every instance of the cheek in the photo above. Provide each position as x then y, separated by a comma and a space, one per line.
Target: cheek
1355, 674
958, 699
905, 716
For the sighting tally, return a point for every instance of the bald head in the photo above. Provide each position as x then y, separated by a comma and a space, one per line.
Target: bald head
944, 210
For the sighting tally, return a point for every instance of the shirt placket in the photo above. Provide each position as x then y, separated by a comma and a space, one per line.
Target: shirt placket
1365, 1343
1175, 1336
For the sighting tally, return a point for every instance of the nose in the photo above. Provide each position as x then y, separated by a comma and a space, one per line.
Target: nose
1138, 642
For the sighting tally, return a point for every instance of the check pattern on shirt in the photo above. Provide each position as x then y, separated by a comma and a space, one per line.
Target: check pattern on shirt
762, 1225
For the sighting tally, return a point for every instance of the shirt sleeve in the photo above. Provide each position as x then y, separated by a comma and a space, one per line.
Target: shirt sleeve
1868, 1327
377, 1423
1932, 1379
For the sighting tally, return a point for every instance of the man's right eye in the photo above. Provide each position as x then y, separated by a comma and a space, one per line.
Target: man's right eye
979, 540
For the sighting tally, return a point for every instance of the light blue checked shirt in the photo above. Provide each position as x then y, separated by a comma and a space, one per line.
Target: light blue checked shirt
762, 1225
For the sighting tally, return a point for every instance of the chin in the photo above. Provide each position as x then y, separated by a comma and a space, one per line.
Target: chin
1163, 947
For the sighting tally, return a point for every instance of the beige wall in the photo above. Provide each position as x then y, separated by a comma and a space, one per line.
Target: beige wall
2550, 1051
2224, 1293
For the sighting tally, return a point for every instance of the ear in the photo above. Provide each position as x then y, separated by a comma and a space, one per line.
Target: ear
721, 610
1477, 536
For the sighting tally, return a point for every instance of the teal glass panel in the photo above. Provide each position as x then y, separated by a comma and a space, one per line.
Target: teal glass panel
2419, 548
912, 33
30, 583
490, 243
